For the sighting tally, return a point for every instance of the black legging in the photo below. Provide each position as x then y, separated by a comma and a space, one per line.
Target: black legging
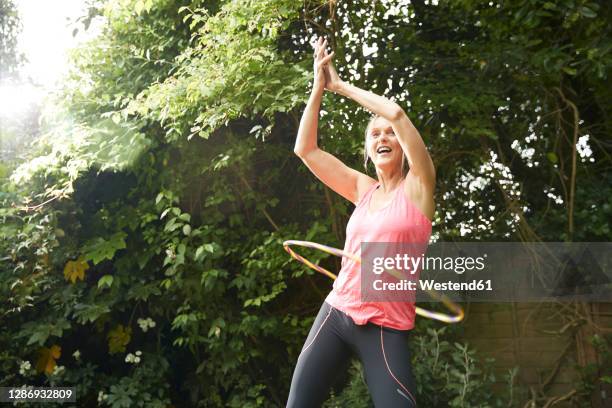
332, 340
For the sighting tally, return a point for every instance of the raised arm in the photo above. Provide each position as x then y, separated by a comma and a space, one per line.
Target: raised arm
409, 138
347, 182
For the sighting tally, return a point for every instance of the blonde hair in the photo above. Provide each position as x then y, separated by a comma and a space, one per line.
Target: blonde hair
366, 157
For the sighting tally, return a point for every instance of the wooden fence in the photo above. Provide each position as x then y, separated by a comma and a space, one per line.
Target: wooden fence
545, 341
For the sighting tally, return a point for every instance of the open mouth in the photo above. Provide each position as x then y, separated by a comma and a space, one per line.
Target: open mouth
383, 150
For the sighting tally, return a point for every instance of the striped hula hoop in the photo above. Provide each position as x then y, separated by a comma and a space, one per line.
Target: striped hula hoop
451, 306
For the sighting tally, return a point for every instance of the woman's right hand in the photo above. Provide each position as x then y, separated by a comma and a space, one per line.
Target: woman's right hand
321, 59
332, 80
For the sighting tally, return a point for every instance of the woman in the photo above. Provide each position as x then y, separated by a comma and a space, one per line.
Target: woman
394, 207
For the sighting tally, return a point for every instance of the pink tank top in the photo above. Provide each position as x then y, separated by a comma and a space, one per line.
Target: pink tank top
399, 221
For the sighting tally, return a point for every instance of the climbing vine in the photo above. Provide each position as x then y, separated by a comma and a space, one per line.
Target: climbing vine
141, 256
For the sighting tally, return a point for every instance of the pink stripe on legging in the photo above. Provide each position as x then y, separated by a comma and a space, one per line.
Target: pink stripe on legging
382, 346
317, 333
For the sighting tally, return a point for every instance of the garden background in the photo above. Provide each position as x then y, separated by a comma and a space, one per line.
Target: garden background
140, 254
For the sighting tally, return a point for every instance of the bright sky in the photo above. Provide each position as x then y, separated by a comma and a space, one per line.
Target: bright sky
45, 40
47, 35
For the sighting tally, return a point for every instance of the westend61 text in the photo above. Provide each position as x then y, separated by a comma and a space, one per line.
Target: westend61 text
428, 284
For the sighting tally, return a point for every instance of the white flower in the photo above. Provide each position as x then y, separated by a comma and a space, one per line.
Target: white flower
102, 396
24, 368
131, 358
76, 355
146, 324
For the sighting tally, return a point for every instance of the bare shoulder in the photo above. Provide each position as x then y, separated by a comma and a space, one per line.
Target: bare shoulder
421, 194
364, 183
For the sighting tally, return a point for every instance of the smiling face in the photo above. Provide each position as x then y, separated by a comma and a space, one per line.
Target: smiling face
382, 145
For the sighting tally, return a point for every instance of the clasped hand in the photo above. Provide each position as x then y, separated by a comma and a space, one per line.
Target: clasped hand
325, 74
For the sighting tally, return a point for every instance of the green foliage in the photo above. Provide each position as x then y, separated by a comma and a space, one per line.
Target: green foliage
449, 374
10, 26
596, 375
184, 233
230, 70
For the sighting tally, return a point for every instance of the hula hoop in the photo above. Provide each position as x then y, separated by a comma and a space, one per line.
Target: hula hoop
446, 318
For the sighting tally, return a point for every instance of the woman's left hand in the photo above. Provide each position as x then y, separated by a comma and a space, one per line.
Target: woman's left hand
332, 80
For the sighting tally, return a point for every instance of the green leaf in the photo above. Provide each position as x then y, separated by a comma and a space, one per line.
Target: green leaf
85, 313
570, 71
139, 6
199, 253
38, 337
141, 291
587, 12
100, 249
106, 280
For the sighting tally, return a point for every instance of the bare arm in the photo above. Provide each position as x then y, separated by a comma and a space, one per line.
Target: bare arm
347, 182
421, 165
418, 157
